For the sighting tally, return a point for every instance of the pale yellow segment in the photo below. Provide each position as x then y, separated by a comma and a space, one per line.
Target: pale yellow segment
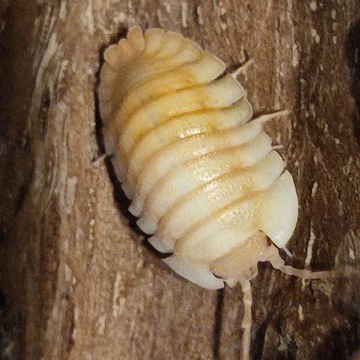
121, 54
220, 192
154, 41
134, 67
131, 65
107, 82
119, 166
220, 233
220, 93
197, 273
118, 161
158, 244
136, 38
144, 68
116, 58
188, 125
189, 52
181, 181
172, 46
273, 211
202, 71
193, 149
279, 210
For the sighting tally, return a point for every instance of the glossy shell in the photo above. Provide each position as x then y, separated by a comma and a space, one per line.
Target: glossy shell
204, 180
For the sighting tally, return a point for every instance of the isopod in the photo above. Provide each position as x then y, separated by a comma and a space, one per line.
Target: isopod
204, 180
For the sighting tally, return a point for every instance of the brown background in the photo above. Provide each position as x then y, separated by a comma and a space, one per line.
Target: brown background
77, 281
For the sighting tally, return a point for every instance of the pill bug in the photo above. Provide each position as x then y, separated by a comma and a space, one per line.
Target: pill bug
203, 177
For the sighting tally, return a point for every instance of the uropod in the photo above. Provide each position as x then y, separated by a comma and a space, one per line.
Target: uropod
203, 177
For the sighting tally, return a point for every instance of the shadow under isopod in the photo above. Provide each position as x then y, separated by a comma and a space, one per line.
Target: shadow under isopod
121, 200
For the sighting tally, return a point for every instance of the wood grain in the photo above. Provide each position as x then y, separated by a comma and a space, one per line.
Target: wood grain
77, 280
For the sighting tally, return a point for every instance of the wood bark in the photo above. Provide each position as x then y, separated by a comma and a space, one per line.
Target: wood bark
76, 277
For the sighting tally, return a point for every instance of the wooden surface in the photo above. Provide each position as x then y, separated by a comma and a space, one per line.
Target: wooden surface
77, 280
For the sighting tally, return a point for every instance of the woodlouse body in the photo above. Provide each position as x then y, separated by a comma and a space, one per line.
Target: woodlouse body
203, 179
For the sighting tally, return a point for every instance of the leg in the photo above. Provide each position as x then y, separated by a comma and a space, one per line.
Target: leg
278, 263
266, 117
100, 159
242, 68
263, 118
247, 319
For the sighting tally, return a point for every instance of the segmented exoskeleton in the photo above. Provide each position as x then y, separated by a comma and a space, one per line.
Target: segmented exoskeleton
203, 179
